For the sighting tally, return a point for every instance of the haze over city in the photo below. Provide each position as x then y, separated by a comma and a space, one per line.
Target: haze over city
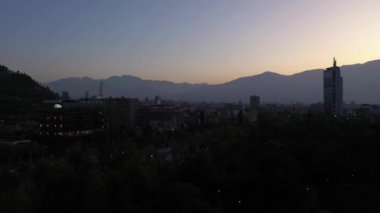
184, 41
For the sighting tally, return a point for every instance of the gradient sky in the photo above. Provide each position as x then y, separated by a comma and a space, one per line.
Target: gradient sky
209, 41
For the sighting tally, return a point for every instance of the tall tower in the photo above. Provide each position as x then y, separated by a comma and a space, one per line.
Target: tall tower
254, 102
101, 89
333, 90
86, 95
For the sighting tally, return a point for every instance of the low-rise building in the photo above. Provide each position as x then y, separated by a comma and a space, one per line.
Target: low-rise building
71, 118
162, 118
121, 113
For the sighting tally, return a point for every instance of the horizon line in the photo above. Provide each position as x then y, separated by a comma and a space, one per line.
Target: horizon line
184, 82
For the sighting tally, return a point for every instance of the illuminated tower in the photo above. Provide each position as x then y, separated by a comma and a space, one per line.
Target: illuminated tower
333, 90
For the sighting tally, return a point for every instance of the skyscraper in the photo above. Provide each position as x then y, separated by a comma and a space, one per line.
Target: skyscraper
254, 102
101, 89
333, 90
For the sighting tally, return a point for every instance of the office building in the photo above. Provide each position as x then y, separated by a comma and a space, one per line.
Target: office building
333, 90
121, 112
254, 102
254, 105
162, 118
71, 118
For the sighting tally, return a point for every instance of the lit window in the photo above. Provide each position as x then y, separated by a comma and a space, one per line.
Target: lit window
57, 106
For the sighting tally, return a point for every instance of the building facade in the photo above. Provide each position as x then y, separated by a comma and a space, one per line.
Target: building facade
71, 118
254, 102
162, 118
87, 116
121, 113
254, 105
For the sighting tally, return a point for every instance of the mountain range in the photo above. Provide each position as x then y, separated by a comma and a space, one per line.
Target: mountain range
361, 84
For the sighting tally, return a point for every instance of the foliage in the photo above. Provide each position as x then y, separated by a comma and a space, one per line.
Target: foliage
293, 165
19, 93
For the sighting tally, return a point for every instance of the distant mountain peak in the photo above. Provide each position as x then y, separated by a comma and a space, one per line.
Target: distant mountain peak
373, 62
87, 78
130, 77
269, 73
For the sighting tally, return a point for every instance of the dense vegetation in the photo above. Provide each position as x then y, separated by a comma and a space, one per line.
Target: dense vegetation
18, 92
278, 165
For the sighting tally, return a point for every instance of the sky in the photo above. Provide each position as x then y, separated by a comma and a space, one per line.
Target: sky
196, 41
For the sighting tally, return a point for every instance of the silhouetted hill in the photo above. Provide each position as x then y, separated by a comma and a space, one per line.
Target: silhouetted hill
20, 85
126, 85
361, 84
272, 87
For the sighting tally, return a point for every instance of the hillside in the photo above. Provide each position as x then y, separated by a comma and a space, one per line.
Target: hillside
20, 85
19, 93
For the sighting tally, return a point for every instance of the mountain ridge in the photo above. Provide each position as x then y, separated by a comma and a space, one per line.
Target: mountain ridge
360, 83
19, 93
20, 85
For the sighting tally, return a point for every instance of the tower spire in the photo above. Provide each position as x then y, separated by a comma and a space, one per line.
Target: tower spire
334, 62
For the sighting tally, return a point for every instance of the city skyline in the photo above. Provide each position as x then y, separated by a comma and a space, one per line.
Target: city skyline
223, 106
181, 41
